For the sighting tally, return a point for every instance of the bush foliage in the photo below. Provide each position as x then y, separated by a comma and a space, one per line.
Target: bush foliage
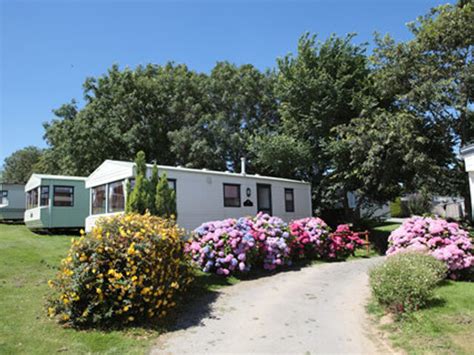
444, 240
130, 268
405, 282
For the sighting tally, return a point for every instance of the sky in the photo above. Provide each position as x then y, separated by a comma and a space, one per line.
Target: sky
48, 48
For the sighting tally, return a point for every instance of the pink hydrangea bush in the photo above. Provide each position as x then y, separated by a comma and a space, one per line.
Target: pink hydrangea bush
311, 237
235, 245
223, 247
343, 242
273, 241
446, 241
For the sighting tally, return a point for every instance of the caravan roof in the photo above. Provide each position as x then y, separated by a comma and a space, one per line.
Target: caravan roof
125, 169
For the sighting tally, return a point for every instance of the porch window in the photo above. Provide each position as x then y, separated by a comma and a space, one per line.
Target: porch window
289, 200
172, 184
3, 197
116, 197
32, 198
98, 199
44, 196
63, 196
231, 195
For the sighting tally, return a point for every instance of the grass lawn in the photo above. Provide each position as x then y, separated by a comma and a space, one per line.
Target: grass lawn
446, 326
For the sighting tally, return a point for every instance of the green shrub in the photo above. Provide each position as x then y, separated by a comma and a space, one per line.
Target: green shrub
405, 281
419, 204
396, 209
165, 199
130, 268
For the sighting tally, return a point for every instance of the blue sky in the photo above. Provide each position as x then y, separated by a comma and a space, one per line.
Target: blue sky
48, 48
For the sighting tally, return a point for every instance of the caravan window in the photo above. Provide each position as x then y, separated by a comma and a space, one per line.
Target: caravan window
32, 198
289, 200
44, 196
3, 197
116, 197
63, 196
231, 195
172, 184
98, 199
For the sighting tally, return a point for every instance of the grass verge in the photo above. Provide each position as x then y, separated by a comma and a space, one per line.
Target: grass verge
445, 326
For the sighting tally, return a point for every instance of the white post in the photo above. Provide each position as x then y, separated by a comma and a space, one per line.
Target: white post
242, 166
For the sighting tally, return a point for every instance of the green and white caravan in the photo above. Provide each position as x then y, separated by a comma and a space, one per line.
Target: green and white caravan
56, 202
12, 201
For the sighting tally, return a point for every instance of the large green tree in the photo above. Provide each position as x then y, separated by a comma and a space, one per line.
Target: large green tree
240, 103
19, 166
125, 111
318, 89
417, 114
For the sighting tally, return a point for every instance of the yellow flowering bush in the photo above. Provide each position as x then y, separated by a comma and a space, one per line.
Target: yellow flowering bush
129, 268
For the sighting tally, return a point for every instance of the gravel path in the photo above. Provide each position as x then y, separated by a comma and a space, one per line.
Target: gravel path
318, 309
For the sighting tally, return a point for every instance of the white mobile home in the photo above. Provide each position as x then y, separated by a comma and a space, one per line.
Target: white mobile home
202, 195
468, 155
12, 201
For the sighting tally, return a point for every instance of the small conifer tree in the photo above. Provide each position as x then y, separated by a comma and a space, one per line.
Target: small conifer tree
138, 199
165, 198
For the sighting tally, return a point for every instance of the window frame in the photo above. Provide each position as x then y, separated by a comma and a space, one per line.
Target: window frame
3, 194
292, 201
54, 195
29, 199
173, 181
92, 199
41, 187
239, 195
107, 195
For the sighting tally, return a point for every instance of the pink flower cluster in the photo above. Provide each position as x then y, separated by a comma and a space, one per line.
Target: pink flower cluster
273, 241
343, 242
444, 240
236, 245
313, 238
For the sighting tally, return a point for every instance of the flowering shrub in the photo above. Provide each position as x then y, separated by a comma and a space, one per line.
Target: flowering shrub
232, 245
235, 245
311, 237
223, 246
405, 282
273, 241
130, 267
343, 242
445, 241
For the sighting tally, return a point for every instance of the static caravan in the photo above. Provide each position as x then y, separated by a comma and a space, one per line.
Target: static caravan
54, 201
468, 155
202, 195
12, 201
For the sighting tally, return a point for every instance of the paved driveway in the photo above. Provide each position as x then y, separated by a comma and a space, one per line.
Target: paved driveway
318, 309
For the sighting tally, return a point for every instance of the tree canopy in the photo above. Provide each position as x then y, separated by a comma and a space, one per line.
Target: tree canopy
19, 166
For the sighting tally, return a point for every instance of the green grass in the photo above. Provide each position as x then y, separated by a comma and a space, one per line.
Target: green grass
379, 236
27, 261
446, 326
